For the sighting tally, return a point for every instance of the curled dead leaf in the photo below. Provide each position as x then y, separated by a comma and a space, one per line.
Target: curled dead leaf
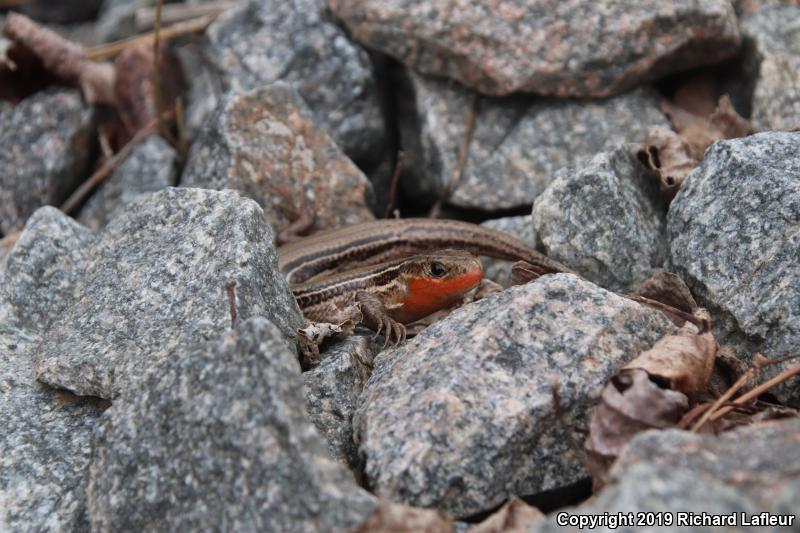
668, 156
700, 132
669, 289
683, 361
389, 517
727, 122
515, 516
313, 334
135, 90
630, 403
62, 58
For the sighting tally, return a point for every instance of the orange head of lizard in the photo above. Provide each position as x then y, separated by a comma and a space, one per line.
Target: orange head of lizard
435, 281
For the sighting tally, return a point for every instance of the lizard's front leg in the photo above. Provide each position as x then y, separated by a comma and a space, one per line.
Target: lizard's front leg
375, 316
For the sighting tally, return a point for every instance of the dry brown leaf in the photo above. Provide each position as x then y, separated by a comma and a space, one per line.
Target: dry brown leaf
683, 361
668, 155
697, 95
62, 58
515, 516
391, 517
631, 403
727, 121
667, 288
701, 131
133, 91
313, 334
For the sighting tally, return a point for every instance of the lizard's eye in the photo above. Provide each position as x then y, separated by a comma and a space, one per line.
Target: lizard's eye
437, 270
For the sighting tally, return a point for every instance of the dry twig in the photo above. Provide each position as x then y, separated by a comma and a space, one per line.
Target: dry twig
757, 391
109, 50
105, 170
461, 162
174, 13
398, 168
230, 288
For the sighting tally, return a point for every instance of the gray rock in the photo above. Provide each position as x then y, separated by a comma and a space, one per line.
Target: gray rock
523, 229
605, 219
201, 97
748, 7
261, 42
332, 390
264, 144
584, 48
673, 471
517, 143
61, 12
734, 239
218, 440
47, 140
772, 56
150, 167
117, 18
464, 416
154, 283
45, 441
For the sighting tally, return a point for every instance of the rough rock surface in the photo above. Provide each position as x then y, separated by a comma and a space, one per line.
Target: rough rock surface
605, 219
201, 92
332, 390
463, 416
261, 42
745, 470
46, 140
517, 143
264, 144
556, 47
62, 12
772, 55
155, 282
149, 168
734, 239
520, 227
46, 435
219, 440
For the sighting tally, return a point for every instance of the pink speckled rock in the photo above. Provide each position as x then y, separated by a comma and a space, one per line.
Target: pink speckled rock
584, 48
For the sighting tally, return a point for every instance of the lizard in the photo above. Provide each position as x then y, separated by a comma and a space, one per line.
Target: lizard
397, 270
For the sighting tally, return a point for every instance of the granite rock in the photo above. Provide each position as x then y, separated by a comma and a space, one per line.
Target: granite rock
332, 390
741, 471
264, 144
605, 220
117, 19
218, 440
61, 12
45, 441
464, 416
772, 58
517, 143
584, 48
263, 41
155, 283
748, 7
149, 168
734, 239
523, 229
201, 91
47, 140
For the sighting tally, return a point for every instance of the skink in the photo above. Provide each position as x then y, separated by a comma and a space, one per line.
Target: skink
377, 241
397, 271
